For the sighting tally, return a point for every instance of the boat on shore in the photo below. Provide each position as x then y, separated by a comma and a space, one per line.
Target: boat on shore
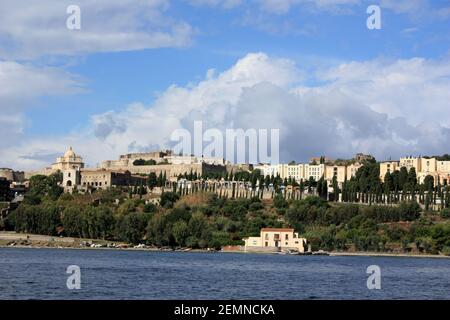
320, 253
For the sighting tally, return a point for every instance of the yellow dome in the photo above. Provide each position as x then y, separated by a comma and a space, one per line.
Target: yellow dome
69, 153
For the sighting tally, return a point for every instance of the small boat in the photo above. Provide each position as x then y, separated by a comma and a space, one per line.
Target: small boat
321, 253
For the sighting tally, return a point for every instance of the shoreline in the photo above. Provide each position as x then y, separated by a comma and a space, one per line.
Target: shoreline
331, 254
32, 241
386, 254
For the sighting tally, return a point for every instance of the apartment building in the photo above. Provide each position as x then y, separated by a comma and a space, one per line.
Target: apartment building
314, 171
340, 172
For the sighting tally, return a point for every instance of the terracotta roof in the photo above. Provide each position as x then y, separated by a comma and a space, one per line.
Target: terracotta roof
277, 230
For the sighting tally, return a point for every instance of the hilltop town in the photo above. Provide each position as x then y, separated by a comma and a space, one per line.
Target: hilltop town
321, 175
166, 200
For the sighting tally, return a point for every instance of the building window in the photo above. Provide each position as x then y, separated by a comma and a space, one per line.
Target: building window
286, 237
267, 244
68, 174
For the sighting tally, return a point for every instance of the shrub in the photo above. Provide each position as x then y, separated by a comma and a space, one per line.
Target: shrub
150, 208
445, 213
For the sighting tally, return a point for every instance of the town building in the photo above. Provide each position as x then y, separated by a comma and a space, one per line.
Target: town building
166, 162
428, 165
104, 179
424, 166
69, 161
269, 169
276, 239
292, 171
443, 166
388, 167
11, 175
314, 171
70, 165
352, 170
361, 157
411, 162
340, 172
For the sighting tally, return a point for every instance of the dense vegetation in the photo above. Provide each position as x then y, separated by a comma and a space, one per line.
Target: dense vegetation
204, 219
142, 162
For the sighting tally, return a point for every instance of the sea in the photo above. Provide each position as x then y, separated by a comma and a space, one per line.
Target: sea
49, 274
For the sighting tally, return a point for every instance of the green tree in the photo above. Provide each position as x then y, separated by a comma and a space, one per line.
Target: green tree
168, 199
158, 230
152, 181
180, 232
133, 227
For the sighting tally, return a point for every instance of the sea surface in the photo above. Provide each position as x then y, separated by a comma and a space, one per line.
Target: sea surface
115, 274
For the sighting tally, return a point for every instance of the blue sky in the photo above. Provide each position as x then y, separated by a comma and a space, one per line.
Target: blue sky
315, 36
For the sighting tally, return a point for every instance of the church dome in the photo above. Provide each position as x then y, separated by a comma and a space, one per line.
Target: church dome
69, 153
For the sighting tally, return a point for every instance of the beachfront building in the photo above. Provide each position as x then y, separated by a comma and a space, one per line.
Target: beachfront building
276, 239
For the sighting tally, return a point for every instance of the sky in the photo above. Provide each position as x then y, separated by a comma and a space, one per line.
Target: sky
137, 70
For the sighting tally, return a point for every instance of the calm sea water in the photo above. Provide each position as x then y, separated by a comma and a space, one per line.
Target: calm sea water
109, 274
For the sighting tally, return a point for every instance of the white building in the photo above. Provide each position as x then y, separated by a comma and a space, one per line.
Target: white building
293, 171
316, 171
275, 239
269, 169
70, 165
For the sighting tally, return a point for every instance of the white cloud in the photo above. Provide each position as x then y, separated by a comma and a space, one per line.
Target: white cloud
225, 4
284, 6
417, 89
404, 6
386, 108
21, 88
30, 29
21, 84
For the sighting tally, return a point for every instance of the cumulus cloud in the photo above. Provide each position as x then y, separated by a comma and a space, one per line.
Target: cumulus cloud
30, 29
417, 88
22, 83
21, 87
376, 106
